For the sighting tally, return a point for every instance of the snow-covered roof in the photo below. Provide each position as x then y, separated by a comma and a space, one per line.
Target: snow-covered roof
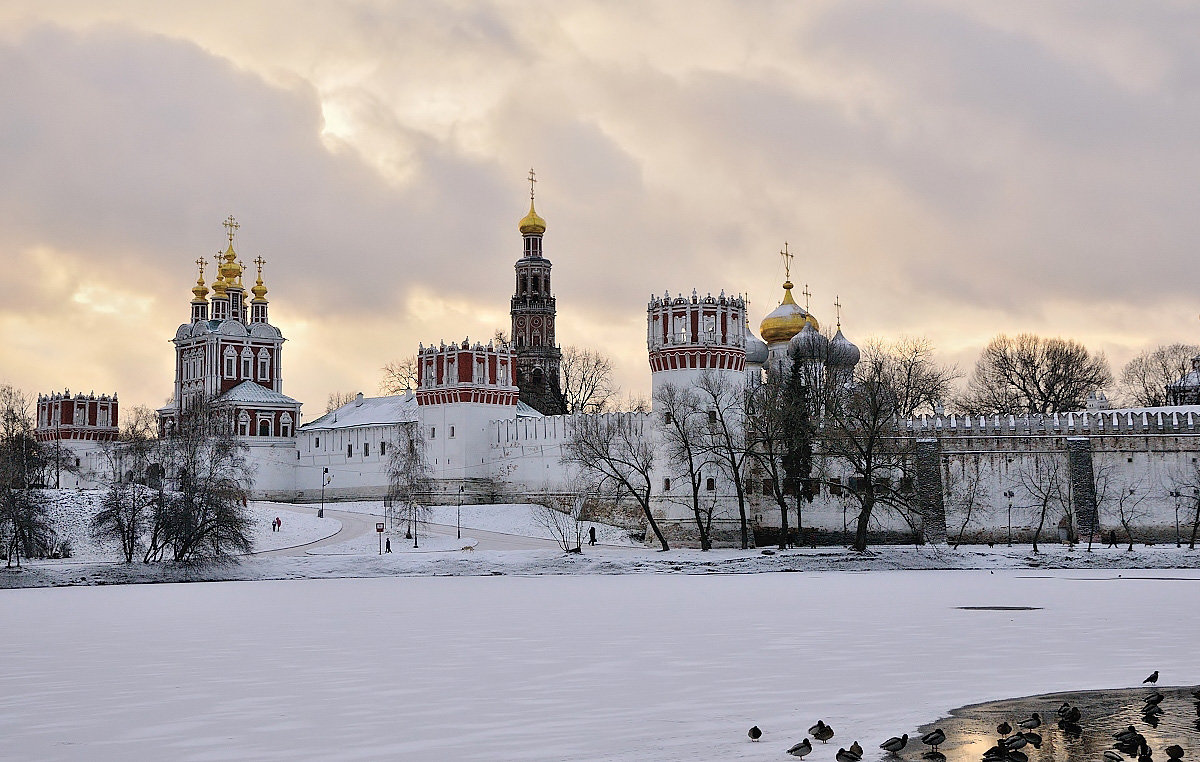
250, 392
524, 411
369, 411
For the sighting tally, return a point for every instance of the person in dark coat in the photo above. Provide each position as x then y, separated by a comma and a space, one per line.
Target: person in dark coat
387, 545
591, 535
1112, 538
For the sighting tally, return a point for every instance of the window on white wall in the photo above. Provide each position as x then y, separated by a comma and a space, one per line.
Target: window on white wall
264, 365
230, 363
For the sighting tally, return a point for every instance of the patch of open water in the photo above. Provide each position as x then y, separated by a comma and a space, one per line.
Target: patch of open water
972, 730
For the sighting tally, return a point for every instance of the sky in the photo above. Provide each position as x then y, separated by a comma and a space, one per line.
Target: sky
945, 169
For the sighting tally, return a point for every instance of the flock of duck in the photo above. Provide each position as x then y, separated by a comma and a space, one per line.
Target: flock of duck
1130, 744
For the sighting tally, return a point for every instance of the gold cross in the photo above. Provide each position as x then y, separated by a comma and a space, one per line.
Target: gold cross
806, 296
231, 226
260, 262
787, 261
532, 180
837, 305
200, 262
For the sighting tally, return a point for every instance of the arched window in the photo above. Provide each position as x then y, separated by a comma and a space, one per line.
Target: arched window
247, 362
230, 362
285, 425
264, 365
710, 484
244, 424
264, 427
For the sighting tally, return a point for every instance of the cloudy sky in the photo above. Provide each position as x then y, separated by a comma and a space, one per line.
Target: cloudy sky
948, 169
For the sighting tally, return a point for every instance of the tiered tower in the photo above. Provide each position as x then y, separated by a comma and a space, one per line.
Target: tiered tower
83, 417
689, 337
231, 355
538, 357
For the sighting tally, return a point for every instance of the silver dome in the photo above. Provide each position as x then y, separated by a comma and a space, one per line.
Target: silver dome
809, 344
756, 350
842, 352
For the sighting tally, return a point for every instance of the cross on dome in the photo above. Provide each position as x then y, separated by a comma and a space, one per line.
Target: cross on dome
807, 296
837, 306
532, 179
787, 261
231, 226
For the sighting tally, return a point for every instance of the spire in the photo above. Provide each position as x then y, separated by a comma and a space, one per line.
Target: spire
259, 290
837, 306
532, 223
807, 296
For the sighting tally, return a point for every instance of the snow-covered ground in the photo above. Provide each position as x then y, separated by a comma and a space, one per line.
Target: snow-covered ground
71, 511
369, 544
590, 667
517, 518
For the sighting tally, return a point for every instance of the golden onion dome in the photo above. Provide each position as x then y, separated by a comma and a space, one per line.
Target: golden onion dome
230, 271
259, 291
532, 223
218, 288
200, 290
786, 320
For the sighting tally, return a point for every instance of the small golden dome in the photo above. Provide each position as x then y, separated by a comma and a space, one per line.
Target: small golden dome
786, 320
218, 289
200, 290
230, 271
259, 291
532, 223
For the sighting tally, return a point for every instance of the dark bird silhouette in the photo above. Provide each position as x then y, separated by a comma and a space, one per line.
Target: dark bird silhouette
1144, 754
934, 756
1151, 718
1155, 698
1016, 756
1012, 743
1129, 732
894, 744
1071, 728
821, 732
1034, 739
1063, 709
1004, 728
1034, 721
1113, 756
754, 733
846, 756
1152, 679
1174, 751
1073, 715
934, 738
801, 749
855, 749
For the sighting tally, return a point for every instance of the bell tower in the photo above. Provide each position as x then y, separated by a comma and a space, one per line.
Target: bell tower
538, 356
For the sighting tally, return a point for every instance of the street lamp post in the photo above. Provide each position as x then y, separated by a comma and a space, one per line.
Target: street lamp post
1175, 494
1010, 495
326, 477
458, 518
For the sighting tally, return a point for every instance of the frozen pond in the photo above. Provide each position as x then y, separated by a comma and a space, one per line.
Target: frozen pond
645, 667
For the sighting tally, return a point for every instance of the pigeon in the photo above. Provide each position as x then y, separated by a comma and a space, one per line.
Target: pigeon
821, 732
894, 744
846, 756
1152, 679
855, 749
1034, 721
934, 738
801, 749
754, 733
1174, 751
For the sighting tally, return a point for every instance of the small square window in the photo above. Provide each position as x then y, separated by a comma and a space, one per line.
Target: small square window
317, 443
710, 484
666, 485
349, 451
366, 449
712, 416
452, 432
382, 449
433, 432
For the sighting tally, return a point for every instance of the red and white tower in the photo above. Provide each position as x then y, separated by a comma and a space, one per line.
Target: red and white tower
533, 312
689, 337
232, 355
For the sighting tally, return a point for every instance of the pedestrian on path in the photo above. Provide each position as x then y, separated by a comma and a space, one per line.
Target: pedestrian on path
1112, 538
387, 545
591, 535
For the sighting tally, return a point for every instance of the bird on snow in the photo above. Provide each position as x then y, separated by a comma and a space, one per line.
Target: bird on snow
1152, 679
754, 733
894, 744
1004, 728
934, 738
855, 749
846, 756
801, 749
1174, 751
1034, 739
821, 732
1073, 715
1034, 721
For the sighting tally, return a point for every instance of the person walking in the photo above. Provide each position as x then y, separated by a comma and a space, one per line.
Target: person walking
387, 545
591, 535
1112, 538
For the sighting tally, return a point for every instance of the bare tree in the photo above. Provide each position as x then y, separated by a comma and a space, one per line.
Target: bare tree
24, 520
399, 376
920, 382
682, 424
587, 382
767, 431
1120, 498
1188, 483
562, 516
337, 399
1145, 378
859, 431
205, 516
1030, 374
1043, 479
963, 501
725, 435
130, 500
409, 481
618, 450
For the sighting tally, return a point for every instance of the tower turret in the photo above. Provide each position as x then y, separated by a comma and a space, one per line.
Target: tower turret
687, 337
258, 305
200, 296
533, 311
